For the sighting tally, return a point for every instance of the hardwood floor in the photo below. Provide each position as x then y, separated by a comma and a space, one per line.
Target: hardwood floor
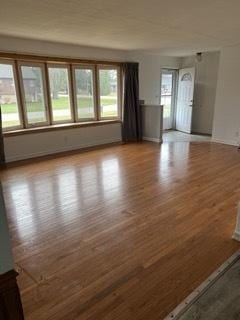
125, 232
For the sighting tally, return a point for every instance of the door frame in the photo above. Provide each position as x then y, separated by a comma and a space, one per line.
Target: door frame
174, 72
193, 71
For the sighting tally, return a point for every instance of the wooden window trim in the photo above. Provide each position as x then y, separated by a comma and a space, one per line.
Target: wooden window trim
89, 67
119, 100
97, 96
48, 94
55, 127
49, 59
18, 60
70, 93
40, 65
17, 92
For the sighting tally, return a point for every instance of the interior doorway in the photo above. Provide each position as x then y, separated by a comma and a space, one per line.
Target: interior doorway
168, 97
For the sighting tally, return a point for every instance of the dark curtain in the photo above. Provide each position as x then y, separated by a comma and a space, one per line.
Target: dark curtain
132, 124
2, 154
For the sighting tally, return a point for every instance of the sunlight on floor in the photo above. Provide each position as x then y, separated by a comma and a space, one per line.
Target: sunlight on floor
177, 136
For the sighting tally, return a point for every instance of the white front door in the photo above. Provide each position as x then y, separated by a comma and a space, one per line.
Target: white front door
185, 100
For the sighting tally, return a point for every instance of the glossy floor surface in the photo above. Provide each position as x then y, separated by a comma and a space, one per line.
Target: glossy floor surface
124, 232
178, 136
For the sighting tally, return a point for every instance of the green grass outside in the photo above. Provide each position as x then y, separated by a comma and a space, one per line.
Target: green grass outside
59, 104
166, 111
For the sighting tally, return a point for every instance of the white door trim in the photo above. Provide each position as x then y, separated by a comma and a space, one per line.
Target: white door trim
185, 99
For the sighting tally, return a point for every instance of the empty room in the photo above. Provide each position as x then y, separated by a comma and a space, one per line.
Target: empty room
119, 160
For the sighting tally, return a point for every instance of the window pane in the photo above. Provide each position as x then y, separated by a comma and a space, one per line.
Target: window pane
108, 93
59, 88
8, 98
166, 94
166, 101
34, 94
84, 92
166, 87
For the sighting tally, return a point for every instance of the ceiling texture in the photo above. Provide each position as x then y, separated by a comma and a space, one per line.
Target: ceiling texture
171, 27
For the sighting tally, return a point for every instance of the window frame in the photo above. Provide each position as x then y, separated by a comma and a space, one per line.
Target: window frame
88, 67
17, 92
119, 102
71, 104
40, 65
72, 64
173, 95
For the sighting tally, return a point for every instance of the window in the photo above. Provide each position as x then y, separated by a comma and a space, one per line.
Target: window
60, 95
166, 93
168, 85
39, 92
187, 77
84, 92
109, 92
8, 97
34, 93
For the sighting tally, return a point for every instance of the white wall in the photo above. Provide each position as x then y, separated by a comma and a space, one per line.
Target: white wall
152, 122
150, 66
149, 74
25, 146
37, 144
6, 260
32, 145
205, 90
226, 126
55, 49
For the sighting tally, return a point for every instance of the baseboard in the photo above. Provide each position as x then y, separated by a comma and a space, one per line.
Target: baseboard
202, 133
236, 236
61, 150
228, 142
152, 139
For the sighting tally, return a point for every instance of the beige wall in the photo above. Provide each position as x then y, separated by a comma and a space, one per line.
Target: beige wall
38, 144
152, 122
205, 90
150, 66
32, 145
226, 126
11, 44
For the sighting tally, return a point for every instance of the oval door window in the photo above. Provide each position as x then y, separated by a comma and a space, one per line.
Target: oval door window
187, 77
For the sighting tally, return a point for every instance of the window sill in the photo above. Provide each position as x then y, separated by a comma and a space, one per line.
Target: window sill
59, 127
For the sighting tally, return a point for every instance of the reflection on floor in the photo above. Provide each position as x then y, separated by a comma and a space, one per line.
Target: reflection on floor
121, 233
178, 136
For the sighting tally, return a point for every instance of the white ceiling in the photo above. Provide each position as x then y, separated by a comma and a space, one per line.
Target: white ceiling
171, 27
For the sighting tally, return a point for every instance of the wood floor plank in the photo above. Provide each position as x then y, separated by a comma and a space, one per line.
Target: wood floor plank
125, 232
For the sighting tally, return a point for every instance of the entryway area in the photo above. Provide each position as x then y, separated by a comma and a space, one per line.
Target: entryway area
178, 136
187, 102
177, 89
